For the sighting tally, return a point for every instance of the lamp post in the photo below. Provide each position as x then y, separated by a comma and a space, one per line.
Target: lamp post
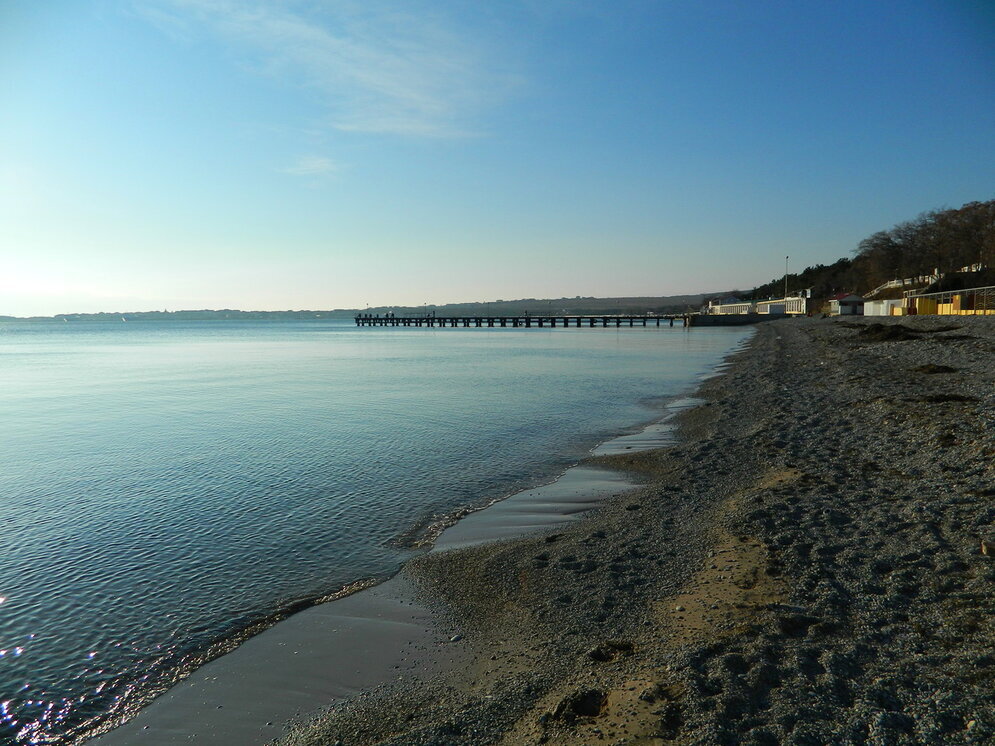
785, 281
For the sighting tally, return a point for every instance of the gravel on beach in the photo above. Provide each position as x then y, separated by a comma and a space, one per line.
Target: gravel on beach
812, 562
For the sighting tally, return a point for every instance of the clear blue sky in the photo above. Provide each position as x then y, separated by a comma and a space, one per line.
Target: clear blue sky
297, 154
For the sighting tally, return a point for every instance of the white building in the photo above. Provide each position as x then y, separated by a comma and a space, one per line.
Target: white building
797, 304
730, 305
882, 307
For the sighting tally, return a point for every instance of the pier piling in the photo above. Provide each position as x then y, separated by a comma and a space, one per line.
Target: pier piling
527, 321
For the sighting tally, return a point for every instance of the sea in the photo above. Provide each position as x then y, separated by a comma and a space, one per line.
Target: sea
169, 487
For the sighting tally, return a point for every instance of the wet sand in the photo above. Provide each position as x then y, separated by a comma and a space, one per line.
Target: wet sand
803, 565
316, 657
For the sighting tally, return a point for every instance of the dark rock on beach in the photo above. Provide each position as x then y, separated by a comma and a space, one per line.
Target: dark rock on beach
812, 562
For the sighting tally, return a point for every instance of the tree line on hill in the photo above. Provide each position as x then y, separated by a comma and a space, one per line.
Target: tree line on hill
941, 241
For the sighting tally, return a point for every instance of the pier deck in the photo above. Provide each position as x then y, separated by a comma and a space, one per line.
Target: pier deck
551, 321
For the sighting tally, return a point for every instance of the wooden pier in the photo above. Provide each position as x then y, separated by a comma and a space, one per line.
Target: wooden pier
551, 321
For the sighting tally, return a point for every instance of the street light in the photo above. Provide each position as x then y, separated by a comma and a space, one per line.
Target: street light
785, 280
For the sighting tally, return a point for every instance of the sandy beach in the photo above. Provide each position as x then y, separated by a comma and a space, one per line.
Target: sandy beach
804, 565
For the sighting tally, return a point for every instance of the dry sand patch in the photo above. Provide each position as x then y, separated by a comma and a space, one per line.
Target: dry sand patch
726, 594
723, 596
779, 478
639, 712
734, 584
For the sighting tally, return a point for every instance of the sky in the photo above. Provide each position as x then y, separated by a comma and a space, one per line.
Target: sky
297, 154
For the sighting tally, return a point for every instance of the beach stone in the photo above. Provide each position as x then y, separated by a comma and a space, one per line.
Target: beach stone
892, 721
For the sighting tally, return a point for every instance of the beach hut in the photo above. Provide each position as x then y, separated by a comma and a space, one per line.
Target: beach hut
846, 304
882, 307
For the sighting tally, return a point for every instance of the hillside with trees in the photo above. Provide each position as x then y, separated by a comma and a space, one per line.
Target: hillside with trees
942, 241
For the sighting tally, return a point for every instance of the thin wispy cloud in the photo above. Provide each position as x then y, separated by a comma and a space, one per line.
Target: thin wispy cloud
380, 67
311, 165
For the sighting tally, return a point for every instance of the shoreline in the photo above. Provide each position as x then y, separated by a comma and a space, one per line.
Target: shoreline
169, 716
803, 565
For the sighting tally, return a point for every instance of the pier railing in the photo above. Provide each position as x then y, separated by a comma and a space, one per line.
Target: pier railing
551, 321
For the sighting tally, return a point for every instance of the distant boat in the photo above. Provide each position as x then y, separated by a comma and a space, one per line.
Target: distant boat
123, 318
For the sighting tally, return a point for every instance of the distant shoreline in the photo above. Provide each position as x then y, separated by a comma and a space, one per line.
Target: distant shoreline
538, 306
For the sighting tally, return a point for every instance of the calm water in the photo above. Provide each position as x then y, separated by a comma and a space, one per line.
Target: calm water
165, 485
